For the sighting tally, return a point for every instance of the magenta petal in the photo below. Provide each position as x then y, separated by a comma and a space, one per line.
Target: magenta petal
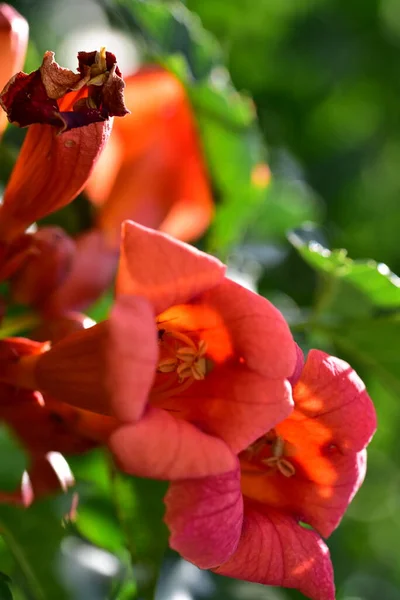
132, 356
295, 376
205, 518
275, 550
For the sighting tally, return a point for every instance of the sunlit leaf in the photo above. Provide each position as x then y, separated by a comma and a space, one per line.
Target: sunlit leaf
374, 280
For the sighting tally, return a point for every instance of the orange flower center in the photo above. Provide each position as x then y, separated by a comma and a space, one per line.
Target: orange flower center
270, 452
182, 360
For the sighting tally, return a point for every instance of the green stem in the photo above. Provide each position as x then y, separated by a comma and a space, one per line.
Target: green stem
35, 589
15, 325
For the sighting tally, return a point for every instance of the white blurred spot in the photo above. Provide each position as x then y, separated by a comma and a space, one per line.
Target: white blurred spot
181, 595
88, 322
61, 468
91, 557
88, 39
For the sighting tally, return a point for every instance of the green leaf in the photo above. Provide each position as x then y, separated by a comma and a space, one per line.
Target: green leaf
374, 280
15, 463
33, 537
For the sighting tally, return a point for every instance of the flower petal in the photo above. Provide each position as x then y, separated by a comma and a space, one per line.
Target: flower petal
234, 404
50, 171
331, 393
73, 370
14, 33
205, 518
163, 270
164, 447
332, 422
275, 550
295, 376
132, 356
258, 331
85, 282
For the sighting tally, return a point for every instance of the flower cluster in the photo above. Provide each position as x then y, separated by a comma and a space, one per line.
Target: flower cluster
192, 378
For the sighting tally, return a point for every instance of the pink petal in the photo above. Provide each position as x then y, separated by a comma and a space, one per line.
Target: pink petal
330, 392
205, 518
275, 550
132, 356
161, 446
163, 270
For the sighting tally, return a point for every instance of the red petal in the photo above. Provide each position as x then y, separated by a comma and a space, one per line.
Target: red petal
258, 331
163, 270
275, 550
205, 518
132, 356
233, 403
74, 370
50, 171
161, 446
45, 267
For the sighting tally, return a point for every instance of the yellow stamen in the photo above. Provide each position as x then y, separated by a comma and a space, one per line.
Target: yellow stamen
187, 360
279, 449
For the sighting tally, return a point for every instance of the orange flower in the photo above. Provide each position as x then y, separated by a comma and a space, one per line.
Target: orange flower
249, 523
159, 177
72, 114
152, 171
14, 31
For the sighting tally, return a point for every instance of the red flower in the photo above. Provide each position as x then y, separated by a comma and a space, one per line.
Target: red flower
44, 430
248, 523
72, 114
14, 32
193, 364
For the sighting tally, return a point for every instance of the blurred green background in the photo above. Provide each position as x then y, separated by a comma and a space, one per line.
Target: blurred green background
324, 77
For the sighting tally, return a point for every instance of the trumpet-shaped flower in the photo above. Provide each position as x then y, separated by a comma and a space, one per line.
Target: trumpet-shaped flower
68, 115
193, 365
251, 523
152, 171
